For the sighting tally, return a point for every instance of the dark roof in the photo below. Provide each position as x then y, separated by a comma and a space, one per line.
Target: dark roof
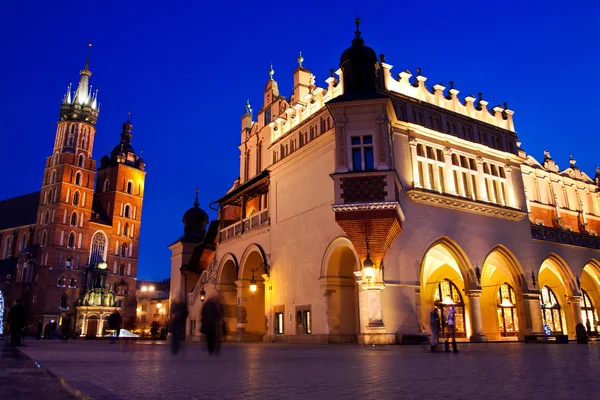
243, 187
357, 96
203, 253
19, 211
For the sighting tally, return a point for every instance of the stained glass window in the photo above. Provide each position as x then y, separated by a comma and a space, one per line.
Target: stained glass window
98, 250
447, 289
588, 313
507, 310
551, 311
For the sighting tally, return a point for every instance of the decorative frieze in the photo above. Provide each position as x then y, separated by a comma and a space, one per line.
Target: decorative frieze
540, 232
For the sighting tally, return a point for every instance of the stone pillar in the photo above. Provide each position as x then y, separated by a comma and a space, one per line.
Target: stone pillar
576, 304
241, 312
533, 314
477, 334
372, 329
415, 163
268, 308
482, 192
449, 172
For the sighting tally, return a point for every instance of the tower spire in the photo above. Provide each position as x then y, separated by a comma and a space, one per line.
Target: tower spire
357, 38
83, 96
196, 203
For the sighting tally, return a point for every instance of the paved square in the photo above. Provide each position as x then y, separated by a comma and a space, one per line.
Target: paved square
259, 371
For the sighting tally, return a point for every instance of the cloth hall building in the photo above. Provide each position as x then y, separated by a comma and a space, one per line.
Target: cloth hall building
70, 250
364, 203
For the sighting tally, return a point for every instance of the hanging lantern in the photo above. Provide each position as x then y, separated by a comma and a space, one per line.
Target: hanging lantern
202, 295
252, 285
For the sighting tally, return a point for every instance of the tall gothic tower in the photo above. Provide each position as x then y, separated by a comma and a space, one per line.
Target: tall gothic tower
68, 185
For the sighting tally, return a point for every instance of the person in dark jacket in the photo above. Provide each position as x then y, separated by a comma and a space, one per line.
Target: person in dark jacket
179, 313
39, 330
17, 319
114, 323
212, 323
154, 329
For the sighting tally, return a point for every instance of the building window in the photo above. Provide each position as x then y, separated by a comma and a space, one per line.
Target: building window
143, 308
124, 250
588, 313
64, 302
37, 278
267, 116
129, 187
98, 250
34, 299
279, 323
71, 242
447, 290
74, 218
126, 229
304, 321
507, 311
106, 185
362, 153
23, 242
78, 178
122, 269
143, 318
127, 211
551, 311
80, 161
258, 157
61, 282
76, 199
72, 282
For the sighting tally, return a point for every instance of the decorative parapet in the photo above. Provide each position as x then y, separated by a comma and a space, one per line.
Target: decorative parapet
472, 108
560, 236
252, 222
475, 207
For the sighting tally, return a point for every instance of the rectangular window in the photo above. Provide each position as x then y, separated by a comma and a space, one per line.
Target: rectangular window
143, 307
279, 323
267, 116
441, 179
362, 153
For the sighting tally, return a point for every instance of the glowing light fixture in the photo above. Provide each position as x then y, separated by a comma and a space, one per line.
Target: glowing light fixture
448, 301
151, 288
159, 305
202, 295
506, 303
368, 264
144, 288
102, 265
253, 285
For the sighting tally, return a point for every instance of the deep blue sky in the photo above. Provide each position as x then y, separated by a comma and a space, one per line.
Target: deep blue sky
187, 69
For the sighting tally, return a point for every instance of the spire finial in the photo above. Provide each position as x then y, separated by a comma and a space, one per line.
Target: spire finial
248, 108
196, 203
89, 52
128, 113
300, 59
357, 38
271, 72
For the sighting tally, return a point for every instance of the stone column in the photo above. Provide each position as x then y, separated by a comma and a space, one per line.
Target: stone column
482, 192
477, 334
241, 312
533, 314
449, 172
576, 304
268, 308
373, 330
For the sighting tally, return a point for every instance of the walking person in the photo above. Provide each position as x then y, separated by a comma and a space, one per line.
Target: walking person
211, 320
114, 323
17, 319
434, 327
154, 329
39, 330
179, 313
65, 328
451, 329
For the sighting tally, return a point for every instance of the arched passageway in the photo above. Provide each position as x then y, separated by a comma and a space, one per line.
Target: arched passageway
590, 293
228, 294
556, 286
341, 292
251, 317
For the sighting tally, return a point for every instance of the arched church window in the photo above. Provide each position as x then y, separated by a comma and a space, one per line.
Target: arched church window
72, 282
126, 229
80, 161
55, 159
7, 244
64, 301
98, 250
78, 178
44, 239
447, 294
121, 272
507, 311
106, 185
551, 311
23, 241
76, 199
84, 138
46, 217
74, 218
123, 250
588, 313
127, 211
61, 282
129, 187
71, 242
53, 177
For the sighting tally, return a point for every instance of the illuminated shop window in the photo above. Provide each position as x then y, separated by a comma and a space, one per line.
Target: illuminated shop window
551, 311
507, 311
279, 323
589, 315
446, 293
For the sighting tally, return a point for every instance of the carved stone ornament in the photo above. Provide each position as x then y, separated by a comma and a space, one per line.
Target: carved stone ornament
448, 151
479, 160
508, 168
379, 119
412, 141
340, 121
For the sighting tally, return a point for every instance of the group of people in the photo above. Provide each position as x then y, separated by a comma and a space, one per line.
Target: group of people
212, 324
435, 326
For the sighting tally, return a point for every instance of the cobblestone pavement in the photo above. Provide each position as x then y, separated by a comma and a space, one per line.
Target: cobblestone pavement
260, 371
20, 378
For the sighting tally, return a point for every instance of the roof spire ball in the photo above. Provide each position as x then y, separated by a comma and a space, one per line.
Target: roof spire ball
300, 59
195, 220
271, 72
357, 38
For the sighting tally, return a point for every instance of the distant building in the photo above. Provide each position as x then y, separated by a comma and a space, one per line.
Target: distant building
152, 305
363, 204
71, 249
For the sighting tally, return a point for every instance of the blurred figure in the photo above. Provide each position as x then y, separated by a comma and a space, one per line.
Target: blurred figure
47, 331
154, 329
114, 323
65, 328
212, 323
17, 319
434, 327
451, 331
39, 330
179, 313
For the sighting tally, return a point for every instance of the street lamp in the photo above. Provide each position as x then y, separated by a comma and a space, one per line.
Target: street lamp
202, 295
252, 284
368, 264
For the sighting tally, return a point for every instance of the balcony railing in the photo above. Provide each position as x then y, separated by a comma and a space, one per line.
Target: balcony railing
252, 222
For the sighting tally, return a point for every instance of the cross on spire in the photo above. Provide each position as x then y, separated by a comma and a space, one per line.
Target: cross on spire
196, 203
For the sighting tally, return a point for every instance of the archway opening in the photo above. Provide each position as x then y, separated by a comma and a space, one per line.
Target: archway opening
342, 295
555, 287
501, 292
444, 279
228, 292
590, 291
251, 316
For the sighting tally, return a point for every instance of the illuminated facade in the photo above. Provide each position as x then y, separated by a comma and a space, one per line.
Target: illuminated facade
152, 300
363, 204
71, 249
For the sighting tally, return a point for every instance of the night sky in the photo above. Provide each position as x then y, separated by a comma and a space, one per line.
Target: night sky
186, 71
